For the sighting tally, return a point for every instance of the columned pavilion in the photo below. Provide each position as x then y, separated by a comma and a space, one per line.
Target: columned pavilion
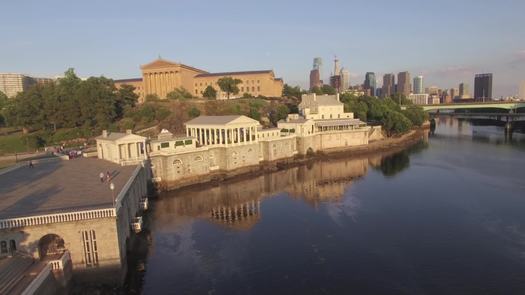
223, 130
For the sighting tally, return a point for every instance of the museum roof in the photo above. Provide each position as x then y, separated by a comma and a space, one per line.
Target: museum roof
118, 135
327, 100
338, 122
234, 73
128, 80
220, 120
60, 186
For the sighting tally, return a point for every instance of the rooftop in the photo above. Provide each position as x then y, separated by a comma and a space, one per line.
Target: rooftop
60, 186
220, 120
234, 73
128, 80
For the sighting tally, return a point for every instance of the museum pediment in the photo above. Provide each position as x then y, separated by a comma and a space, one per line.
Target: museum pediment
159, 63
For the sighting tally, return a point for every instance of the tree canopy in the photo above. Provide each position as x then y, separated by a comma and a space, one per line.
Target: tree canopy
70, 102
229, 85
209, 92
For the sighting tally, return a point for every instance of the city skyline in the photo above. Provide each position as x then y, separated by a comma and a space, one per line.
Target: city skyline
109, 39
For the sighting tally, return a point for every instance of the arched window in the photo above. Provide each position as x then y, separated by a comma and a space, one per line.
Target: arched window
250, 150
198, 159
177, 162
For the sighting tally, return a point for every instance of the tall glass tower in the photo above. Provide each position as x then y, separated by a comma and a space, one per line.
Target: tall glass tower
418, 85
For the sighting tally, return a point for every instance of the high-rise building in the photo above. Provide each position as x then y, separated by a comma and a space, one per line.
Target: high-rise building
454, 93
418, 85
464, 91
403, 83
11, 84
521, 94
336, 66
345, 79
370, 83
315, 78
335, 82
483, 87
389, 82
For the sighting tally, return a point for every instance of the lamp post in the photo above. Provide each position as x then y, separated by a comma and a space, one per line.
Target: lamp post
112, 188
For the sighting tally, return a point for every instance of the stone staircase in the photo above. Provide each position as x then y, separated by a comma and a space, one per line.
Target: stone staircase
12, 271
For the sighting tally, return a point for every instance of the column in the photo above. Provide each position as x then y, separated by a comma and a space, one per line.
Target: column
245, 134
206, 136
220, 136
238, 135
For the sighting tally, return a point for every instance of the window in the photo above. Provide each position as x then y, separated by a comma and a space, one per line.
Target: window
179, 143
258, 88
253, 88
177, 162
188, 141
89, 240
12, 246
164, 145
242, 89
3, 247
198, 159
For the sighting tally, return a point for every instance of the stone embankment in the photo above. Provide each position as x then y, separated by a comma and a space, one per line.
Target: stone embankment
388, 144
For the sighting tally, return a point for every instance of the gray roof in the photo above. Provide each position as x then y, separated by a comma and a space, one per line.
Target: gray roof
300, 120
327, 100
60, 186
212, 120
112, 136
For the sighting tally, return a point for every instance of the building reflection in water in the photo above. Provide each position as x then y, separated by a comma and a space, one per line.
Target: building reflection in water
237, 204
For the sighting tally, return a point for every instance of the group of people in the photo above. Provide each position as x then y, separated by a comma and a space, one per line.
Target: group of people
105, 177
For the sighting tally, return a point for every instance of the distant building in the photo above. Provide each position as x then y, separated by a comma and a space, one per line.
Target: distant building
403, 83
345, 79
161, 77
315, 78
418, 99
11, 84
454, 93
418, 85
483, 87
370, 83
388, 85
464, 91
318, 63
335, 81
521, 94
432, 90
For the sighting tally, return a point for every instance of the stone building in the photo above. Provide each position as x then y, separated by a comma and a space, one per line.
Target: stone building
160, 77
69, 215
227, 143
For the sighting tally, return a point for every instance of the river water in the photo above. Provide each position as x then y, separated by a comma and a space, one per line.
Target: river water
446, 216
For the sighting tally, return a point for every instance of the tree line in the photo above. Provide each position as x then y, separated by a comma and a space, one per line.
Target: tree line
69, 102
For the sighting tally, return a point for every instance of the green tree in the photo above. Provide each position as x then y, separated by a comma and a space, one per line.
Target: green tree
126, 97
229, 85
3, 100
152, 97
416, 115
395, 123
209, 92
289, 91
317, 90
194, 112
327, 89
179, 93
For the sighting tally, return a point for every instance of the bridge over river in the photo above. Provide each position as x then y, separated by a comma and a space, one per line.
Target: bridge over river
508, 112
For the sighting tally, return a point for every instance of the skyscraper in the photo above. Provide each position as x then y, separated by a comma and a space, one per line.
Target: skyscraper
336, 66
370, 83
388, 85
418, 85
403, 83
345, 79
315, 78
483, 87
318, 63
464, 91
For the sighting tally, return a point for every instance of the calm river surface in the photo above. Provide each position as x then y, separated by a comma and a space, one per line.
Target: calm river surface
446, 216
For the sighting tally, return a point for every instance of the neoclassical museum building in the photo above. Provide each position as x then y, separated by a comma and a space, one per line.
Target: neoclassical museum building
161, 76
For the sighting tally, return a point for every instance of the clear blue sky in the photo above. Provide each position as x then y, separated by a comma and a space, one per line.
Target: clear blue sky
447, 41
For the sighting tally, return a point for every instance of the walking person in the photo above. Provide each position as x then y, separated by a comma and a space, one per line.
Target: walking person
101, 176
31, 164
108, 176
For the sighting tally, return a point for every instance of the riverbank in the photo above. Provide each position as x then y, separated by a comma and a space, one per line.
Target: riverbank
377, 146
